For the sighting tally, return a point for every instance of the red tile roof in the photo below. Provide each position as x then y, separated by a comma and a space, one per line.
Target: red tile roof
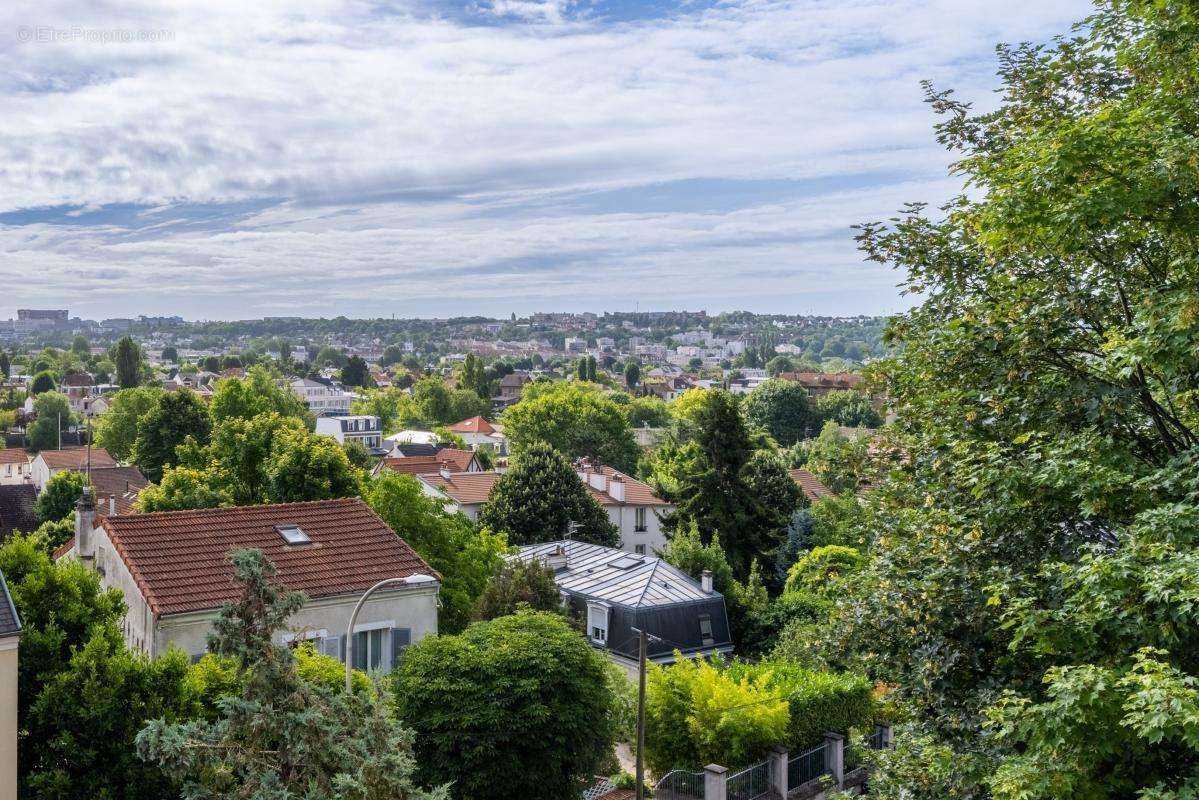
829, 380
453, 459
76, 458
180, 559
473, 488
13, 455
812, 487
472, 425
119, 483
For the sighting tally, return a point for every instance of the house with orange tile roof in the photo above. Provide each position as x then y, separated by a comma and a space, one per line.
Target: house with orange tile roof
174, 570
48, 463
812, 487
478, 432
450, 459
630, 504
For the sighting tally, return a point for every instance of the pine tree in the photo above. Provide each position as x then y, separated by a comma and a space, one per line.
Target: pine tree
282, 736
128, 358
538, 499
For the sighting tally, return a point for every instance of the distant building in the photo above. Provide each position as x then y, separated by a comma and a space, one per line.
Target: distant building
478, 432
630, 504
615, 592
811, 486
361, 428
49, 463
323, 398
14, 466
819, 384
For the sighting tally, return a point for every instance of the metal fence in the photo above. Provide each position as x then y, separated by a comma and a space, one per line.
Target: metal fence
878, 739
680, 785
750, 783
806, 766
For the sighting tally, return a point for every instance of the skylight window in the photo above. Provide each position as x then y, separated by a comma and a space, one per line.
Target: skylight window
293, 534
626, 562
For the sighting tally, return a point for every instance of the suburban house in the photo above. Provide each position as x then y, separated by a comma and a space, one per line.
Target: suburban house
116, 488
14, 466
79, 387
811, 486
361, 428
10, 636
511, 385
49, 463
173, 568
631, 505
448, 459
819, 384
17, 509
478, 432
323, 398
614, 592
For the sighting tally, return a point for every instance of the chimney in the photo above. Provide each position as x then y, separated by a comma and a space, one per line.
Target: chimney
112, 505
598, 480
616, 488
85, 520
557, 559
705, 581
444, 471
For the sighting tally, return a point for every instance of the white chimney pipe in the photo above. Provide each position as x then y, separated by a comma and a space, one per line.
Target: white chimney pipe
705, 581
616, 489
444, 471
557, 559
112, 506
85, 518
599, 481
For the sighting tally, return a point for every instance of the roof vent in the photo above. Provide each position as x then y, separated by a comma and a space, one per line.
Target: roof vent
292, 533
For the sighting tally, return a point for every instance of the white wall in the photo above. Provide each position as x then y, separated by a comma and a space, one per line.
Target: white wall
625, 518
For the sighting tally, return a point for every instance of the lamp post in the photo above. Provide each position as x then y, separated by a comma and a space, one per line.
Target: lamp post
412, 581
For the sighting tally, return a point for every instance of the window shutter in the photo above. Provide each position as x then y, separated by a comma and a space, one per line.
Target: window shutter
400, 638
359, 651
331, 646
341, 648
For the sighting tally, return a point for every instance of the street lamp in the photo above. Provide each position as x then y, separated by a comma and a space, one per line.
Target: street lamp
412, 581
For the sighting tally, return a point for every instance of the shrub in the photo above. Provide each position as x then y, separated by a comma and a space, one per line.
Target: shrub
819, 701
821, 567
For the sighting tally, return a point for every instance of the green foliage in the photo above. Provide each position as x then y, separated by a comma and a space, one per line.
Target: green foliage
712, 488
259, 392
95, 708
463, 555
697, 713
53, 416
783, 409
821, 569
575, 419
538, 498
519, 585
282, 735
174, 417
127, 357
819, 701
302, 467
116, 430
648, 411
839, 462
1032, 559
357, 454
540, 721
42, 382
169, 354
632, 374
395, 408
356, 373
59, 496
849, 408
329, 357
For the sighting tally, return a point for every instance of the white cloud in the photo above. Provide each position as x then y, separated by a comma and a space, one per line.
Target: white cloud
403, 147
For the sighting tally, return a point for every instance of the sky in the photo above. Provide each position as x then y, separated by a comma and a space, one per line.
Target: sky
226, 160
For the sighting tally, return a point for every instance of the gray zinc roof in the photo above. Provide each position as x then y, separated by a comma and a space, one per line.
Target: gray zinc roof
10, 623
618, 577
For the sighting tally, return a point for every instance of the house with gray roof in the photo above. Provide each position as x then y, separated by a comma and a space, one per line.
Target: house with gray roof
615, 591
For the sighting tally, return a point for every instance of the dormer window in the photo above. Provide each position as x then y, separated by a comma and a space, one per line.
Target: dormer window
293, 534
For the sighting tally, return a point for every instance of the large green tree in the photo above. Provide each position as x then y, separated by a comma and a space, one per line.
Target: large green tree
116, 429
712, 487
519, 706
128, 359
282, 735
60, 494
53, 417
541, 499
1030, 584
577, 420
259, 392
174, 417
42, 382
783, 409
465, 556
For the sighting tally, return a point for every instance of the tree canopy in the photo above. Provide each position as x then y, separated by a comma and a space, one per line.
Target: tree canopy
577, 420
539, 498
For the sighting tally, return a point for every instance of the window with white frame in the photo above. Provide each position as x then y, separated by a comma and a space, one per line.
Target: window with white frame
639, 520
705, 629
597, 623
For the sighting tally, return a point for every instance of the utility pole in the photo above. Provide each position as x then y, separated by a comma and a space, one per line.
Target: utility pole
60, 430
642, 640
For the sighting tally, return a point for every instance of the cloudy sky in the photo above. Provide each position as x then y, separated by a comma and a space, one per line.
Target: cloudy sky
228, 159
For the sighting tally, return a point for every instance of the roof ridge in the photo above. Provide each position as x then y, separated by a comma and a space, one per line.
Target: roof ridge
181, 512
